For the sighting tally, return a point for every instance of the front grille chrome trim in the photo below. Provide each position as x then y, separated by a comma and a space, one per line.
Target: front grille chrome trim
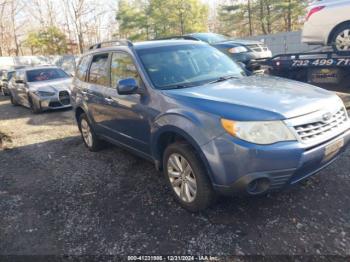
313, 129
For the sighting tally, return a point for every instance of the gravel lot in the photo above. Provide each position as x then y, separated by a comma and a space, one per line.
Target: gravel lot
58, 198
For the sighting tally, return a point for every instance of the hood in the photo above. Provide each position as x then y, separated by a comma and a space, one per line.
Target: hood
256, 98
52, 85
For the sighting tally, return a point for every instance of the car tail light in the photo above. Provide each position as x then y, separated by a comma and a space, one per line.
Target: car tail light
313, 11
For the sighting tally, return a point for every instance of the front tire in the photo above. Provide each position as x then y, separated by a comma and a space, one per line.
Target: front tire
90, 139
341, 39
187, 177
13, 100
34, 107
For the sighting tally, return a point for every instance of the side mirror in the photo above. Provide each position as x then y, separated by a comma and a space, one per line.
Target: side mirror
127, 86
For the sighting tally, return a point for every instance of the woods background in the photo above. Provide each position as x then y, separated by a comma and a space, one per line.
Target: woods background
54, 27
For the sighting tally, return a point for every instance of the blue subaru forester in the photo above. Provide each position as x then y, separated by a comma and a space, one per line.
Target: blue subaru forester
192, 111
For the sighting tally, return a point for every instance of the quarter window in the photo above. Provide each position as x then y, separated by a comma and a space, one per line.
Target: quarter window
99, 70
122, 67
83, 68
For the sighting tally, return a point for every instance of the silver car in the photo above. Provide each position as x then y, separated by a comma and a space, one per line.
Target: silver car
328, 23
41, 88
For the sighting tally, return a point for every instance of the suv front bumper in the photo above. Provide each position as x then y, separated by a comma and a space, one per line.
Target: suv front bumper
236, 164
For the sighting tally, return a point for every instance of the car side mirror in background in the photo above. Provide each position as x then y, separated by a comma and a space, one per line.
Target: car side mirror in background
127, 86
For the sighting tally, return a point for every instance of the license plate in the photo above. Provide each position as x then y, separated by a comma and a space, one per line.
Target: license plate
332, 149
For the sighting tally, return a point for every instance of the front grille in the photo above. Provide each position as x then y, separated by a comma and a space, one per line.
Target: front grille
64, 98
55, 104
317, 130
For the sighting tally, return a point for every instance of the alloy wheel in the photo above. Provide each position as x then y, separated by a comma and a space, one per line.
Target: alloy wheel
342, 41
86, 132
182, 178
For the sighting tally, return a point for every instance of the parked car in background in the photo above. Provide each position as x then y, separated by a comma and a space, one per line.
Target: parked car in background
1, 75
41, 88
6, 77
240, 50
328, 23
191, 110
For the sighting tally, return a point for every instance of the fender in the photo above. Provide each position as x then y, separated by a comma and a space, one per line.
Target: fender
183, 125
85, 109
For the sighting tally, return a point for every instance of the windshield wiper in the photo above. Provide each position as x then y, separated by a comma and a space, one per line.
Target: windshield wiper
222, 79
177, 86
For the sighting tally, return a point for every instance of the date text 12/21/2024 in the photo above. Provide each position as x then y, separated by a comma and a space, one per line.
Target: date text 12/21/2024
173, 258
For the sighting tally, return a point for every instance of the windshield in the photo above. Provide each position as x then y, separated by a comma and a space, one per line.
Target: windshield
210, 38
45, 74
187, 65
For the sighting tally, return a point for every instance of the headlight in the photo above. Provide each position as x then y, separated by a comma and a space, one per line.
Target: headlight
44, 93
263, 133
238, 49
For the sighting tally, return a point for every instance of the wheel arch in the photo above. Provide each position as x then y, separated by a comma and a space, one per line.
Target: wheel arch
331, 34
78, 112
170, 134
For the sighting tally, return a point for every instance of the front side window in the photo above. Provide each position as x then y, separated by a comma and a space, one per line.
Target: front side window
187, 65
99, 70
45, 74
122, 67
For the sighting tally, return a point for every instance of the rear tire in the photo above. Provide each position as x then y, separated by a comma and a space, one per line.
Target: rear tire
340, 39
187, 177
91, 141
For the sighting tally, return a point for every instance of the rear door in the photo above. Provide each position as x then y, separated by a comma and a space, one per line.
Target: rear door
97, 83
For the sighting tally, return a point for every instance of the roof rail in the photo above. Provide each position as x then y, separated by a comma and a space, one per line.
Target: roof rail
111, 43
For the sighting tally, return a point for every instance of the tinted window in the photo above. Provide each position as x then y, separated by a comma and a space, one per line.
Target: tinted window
45, 74
122, 67
185, 65
83, 68
99, 70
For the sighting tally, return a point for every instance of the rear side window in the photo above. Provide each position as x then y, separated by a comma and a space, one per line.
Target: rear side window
122, 67
83, 68
99, 70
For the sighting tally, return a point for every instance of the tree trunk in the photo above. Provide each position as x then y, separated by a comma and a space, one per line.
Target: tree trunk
289, 16
250, 18
263, 28
268, 18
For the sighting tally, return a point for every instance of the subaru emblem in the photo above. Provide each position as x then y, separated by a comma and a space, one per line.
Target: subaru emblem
327, 117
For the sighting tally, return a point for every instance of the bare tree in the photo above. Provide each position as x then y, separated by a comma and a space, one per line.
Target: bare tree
3, 4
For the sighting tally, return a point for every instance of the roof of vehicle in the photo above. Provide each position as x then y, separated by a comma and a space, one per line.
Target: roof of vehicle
147, 45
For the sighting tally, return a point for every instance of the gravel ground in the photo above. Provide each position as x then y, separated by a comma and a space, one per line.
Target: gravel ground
58, 198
